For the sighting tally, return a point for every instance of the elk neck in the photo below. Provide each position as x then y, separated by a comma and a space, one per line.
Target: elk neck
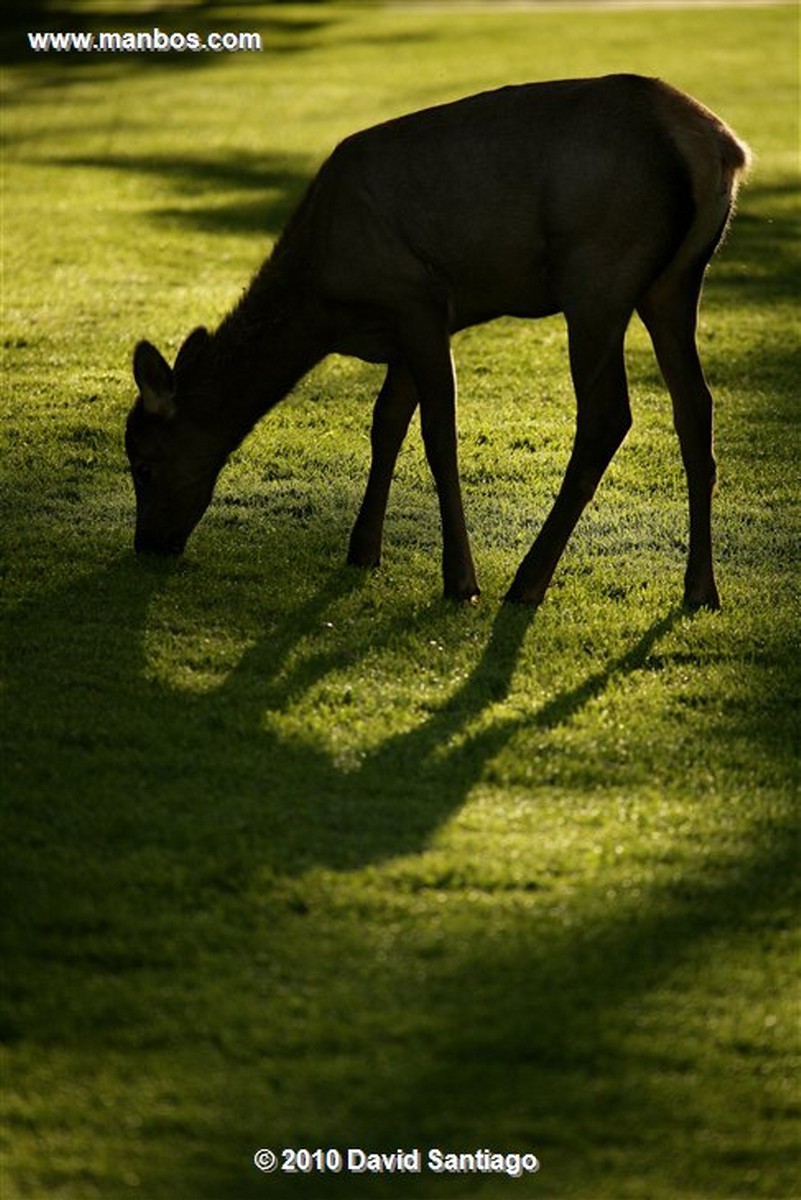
267, 343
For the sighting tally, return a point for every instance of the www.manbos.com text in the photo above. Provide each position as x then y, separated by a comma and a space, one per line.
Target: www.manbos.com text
143, 42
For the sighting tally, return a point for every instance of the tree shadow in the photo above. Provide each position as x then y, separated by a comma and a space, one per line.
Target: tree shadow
537, 1034
233, 193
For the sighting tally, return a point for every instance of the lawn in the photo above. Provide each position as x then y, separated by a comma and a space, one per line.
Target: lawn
296, 856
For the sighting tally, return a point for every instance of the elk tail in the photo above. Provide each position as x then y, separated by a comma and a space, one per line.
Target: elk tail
716, 161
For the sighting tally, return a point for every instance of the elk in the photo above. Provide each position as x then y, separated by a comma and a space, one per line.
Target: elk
589, 197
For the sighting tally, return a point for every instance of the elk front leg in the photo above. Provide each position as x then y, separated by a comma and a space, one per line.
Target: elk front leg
426, 345
603, 419
393, 411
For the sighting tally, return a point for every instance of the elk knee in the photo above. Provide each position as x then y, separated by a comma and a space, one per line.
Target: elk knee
596, 451
713, 473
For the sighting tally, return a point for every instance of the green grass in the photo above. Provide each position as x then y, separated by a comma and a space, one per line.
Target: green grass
300, 857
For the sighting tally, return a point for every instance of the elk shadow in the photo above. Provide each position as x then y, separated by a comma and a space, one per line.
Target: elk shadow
390, 802
110, 765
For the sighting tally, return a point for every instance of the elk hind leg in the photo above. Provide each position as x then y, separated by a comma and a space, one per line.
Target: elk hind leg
669, 311
603, 419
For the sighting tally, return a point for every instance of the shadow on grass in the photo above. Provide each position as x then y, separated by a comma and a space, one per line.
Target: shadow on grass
112, 731
133, 807
237, 193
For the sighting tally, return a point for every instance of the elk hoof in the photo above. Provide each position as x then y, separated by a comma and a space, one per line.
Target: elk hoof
701, 594
693, 601
363, 559
464, 595
528, 597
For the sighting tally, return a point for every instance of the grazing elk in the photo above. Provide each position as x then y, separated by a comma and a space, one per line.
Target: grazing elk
590, 197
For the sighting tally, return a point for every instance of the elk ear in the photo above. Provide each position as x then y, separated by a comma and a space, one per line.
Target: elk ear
155, 382
194, 345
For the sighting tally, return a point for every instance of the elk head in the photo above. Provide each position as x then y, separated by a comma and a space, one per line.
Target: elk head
174, 450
